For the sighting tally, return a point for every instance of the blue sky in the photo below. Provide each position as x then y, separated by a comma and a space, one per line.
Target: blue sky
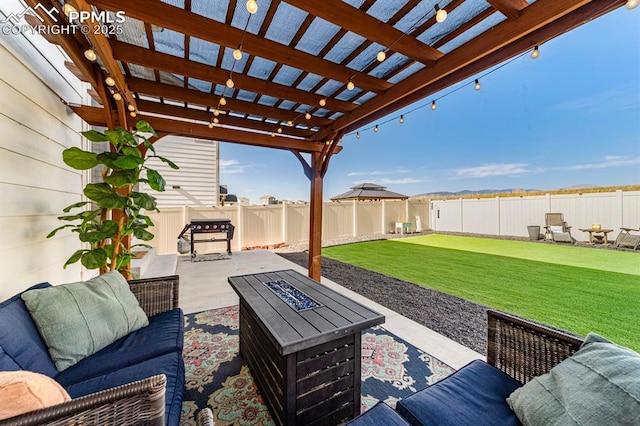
571, 117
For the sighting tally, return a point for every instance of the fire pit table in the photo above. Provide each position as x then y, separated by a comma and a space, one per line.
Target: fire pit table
301, 341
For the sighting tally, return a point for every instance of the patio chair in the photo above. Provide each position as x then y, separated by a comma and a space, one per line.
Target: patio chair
556, 229
626, 239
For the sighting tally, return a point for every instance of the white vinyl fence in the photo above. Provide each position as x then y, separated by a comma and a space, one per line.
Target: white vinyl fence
262, 226
510, 216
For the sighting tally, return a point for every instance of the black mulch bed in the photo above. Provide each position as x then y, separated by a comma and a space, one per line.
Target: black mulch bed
460, 320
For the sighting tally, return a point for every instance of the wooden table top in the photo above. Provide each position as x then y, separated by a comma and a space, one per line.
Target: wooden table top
294, 330
596, 230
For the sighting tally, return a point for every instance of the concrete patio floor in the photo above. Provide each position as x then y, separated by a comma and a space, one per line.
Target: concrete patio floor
203, 285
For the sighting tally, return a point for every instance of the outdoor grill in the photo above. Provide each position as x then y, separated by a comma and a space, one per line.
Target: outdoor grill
206, 227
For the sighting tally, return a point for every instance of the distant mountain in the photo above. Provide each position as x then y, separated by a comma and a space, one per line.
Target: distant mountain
476, 192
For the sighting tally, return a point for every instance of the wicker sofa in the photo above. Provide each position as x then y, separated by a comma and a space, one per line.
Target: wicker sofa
138, 379
517, 351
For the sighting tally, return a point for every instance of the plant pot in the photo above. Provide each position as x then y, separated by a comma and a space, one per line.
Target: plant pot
534, 232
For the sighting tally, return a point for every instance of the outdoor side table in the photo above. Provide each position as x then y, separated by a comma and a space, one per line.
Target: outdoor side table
302, 343
594, 237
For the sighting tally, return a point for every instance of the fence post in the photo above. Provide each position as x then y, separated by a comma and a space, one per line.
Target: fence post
284, 222
620, 206
384, 217
240, 227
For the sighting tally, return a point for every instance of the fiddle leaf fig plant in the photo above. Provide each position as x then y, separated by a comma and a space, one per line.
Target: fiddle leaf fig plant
116, 208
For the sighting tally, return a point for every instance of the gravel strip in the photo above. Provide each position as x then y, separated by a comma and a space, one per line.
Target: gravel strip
458, 319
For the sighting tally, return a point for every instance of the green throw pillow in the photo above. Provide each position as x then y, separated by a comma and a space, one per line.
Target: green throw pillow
598, 385
78, 319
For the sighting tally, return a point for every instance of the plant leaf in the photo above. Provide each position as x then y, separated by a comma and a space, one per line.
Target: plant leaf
79, 159
122, 178
94, 136
91, 237
94, 259
143, 126
142, 234
73, 206
74, 258
156, 181
133, 151
52, 233
104, 195
144, 201
171, 164
128, 162
120, 137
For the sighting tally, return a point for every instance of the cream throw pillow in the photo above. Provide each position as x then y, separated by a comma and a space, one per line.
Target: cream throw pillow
24, 391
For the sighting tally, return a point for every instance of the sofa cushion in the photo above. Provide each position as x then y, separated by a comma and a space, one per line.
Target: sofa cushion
7, 363
379, 415
598, 385
78, 319
164, 334
24, 391
474, 395
20, 339
171, 365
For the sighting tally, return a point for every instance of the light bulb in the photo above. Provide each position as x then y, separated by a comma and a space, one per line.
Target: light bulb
117, 96
223, 101
350, 85
477, 85
211, 125
632, 4
110, 81
252, 6
133, 114
536, 53
215, 120
357, 135
273, 135
290, 123
307, 116
401, 119
441, 14
216, 112
279, 129
381, 56
230, 83
322, 102
375, 129
90, 54
237, 54
68, 9
131, 107
433, 105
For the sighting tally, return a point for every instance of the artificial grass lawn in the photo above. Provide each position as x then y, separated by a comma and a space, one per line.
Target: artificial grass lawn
571, 288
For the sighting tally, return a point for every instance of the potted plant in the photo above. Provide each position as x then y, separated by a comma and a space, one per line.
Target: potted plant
116, 212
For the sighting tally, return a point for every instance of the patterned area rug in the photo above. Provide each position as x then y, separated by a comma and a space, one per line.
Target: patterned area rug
216, 375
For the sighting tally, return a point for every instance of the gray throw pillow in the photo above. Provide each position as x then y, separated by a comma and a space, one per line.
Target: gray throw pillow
78, 319
598, 385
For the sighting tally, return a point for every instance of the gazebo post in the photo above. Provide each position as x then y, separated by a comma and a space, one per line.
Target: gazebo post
315, 217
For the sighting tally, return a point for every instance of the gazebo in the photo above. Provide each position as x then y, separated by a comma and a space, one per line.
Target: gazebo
369, 192
295, 75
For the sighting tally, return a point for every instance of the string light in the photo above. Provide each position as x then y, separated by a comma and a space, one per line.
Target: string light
230, 83
433, 105
252, 6
441, 14
632, 4
216, 112
131, 108
307, 116
279, 129
273, 135
350, 85
536, 52
358, 135
110, 81
215, 120
381, 56
237, 54
223, 101
133, 114
290, 123
322, 102
68, 9
401, 119
116, 95
211, 124
90, 54
477, 86
375, 129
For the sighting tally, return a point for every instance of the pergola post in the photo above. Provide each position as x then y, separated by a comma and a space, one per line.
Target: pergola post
315, 217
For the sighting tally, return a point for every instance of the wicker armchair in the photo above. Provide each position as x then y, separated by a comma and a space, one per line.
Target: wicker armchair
136, 403
523, 349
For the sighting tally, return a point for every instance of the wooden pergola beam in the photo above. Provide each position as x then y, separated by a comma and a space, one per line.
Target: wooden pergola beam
96, 117
509, 8
532, 18
359, 22
182, 21
168, 91
132, 54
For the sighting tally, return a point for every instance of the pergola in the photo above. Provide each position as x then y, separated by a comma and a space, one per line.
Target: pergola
295, 75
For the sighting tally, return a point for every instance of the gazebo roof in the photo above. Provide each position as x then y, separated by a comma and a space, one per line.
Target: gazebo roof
369, 191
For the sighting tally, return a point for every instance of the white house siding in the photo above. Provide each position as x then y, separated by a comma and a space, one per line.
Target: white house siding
35, 185
196, 183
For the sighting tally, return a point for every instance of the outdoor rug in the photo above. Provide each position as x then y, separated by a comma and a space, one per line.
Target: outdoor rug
216, 375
